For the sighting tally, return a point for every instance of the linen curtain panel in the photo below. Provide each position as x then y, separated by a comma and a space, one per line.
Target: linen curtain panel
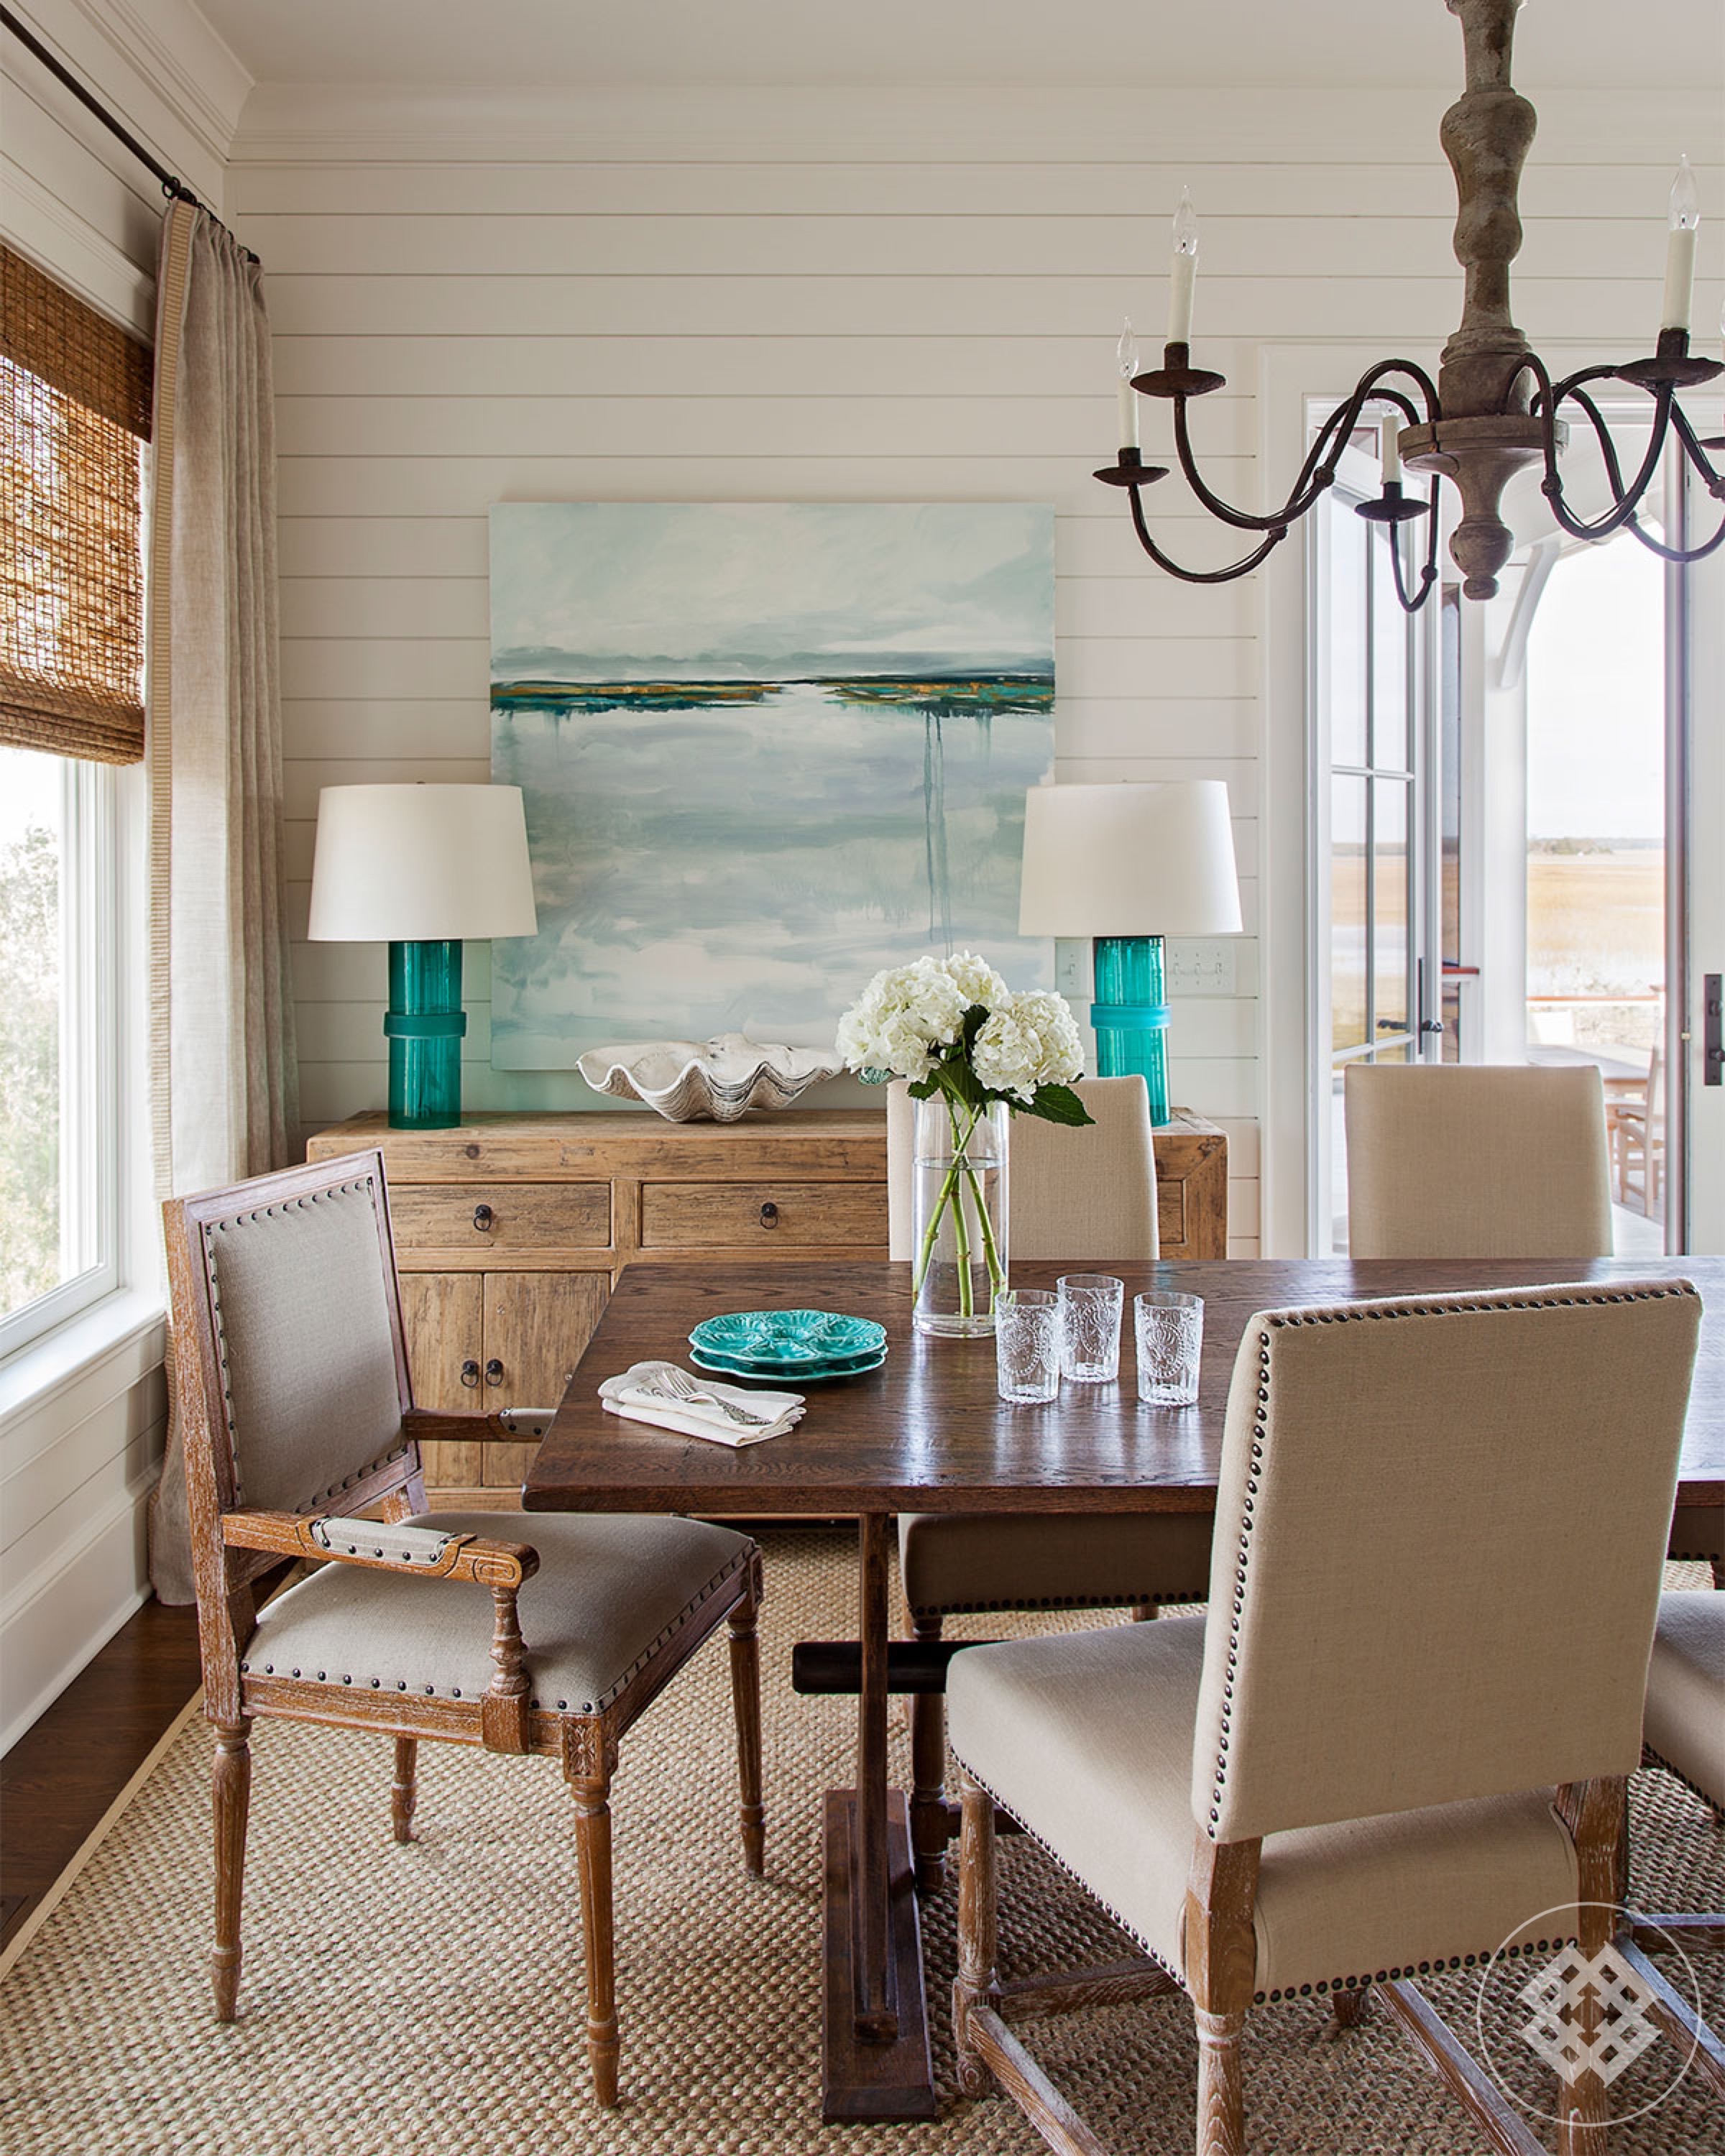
223, 1080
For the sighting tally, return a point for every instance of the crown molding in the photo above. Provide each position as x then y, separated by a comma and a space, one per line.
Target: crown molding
190, 79
334, 123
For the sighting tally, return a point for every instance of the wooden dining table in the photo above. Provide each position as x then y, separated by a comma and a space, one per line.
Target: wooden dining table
927, 1433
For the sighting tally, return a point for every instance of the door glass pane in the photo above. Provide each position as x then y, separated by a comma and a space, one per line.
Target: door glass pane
1392, 659
1348, 1014
1348, 651
1596, 854
1391, 948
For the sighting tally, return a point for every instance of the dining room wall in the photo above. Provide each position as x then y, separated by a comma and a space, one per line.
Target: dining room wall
736, 296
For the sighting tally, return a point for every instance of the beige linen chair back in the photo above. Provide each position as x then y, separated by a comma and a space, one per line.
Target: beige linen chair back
1439, 1529
1071, 1193
305, 1328
1475, 1161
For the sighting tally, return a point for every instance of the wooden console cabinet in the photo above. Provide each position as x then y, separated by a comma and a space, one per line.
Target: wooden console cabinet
510, 1230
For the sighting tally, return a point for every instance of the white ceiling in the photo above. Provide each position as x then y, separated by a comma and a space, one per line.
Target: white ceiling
953, 43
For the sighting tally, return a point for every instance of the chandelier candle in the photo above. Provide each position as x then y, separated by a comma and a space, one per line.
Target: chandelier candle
1126, 354
1685, 222
1182, 274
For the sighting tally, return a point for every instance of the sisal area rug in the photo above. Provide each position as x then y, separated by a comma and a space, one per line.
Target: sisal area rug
429, 1998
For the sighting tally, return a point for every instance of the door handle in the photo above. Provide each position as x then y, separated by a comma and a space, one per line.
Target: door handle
494, 1372
469, 1373
1712, 1038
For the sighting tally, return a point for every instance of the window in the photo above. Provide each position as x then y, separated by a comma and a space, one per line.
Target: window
74, 400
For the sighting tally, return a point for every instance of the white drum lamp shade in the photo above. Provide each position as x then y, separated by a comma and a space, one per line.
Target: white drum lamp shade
1126, 865
420, 868
1129, 860
427, 863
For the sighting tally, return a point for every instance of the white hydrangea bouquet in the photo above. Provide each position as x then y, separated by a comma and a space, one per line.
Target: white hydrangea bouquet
953, 1028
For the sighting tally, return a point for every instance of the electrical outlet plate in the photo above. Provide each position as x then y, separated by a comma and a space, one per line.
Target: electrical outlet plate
1200, 965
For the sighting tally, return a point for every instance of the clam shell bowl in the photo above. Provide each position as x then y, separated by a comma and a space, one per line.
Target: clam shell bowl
708, 1080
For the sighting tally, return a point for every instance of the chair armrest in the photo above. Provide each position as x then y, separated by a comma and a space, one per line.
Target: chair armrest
513, 1425
501, 1567
427, 1551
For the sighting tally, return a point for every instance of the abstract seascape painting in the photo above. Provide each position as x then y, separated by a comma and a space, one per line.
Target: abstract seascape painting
765, 750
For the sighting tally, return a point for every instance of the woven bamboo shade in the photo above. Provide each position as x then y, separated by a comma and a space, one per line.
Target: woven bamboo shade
75, 410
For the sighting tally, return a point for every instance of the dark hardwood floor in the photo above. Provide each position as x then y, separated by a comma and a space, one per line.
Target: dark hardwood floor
68, 1768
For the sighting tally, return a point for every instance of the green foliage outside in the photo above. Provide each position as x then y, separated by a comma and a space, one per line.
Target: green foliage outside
29, 1068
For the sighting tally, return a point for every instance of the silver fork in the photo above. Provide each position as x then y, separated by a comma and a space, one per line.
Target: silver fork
682, 1387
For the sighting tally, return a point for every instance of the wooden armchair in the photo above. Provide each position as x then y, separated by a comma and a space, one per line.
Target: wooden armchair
297, 1414
1277, 1800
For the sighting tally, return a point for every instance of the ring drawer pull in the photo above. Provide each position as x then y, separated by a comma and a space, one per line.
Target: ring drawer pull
494, 1372
469, 1372
483, 1218
769, 1215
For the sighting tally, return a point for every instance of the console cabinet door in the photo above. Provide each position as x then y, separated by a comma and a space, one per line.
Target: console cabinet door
443, 1317
537, 1325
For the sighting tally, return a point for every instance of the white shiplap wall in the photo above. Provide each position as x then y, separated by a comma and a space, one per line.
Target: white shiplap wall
769, 296
81, 1424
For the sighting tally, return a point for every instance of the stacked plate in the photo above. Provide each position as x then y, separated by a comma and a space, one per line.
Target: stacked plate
788, 1347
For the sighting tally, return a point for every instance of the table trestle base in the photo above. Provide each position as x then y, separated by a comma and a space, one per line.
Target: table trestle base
878, 2076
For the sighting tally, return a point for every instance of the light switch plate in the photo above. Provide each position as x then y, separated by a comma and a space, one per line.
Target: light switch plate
1200, 965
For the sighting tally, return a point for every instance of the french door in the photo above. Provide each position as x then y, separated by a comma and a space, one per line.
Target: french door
1378, 837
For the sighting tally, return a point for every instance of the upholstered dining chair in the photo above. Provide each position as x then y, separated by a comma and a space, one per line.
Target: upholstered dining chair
1271, 1818
1488, 1161
1085, 1195
544, 1635
1684, 1734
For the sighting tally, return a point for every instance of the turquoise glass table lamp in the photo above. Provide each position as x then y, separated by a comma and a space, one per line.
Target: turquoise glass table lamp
421, 867
1126, 866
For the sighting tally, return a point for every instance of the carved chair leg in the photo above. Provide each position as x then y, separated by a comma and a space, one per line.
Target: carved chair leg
1718, 1564
975, 1984
1221, 2087
593, 1841
404, 1789
231, 1791
1595, 1814
1144, 1612
929, 1834
746, 1699
1351, 2008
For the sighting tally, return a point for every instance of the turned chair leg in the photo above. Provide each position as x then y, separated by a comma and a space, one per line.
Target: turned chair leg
1221, 2085
231, 1791
1144, 1612
404, 1789
746, 1699
929, 1834
592, 1842
975, 1984
1717, 1565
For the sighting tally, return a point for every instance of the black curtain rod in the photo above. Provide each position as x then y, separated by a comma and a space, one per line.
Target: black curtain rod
171, 185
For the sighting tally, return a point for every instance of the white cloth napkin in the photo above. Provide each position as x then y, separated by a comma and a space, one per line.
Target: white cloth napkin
640, 1395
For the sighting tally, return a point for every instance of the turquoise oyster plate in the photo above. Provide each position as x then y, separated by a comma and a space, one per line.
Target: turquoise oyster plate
788, 1344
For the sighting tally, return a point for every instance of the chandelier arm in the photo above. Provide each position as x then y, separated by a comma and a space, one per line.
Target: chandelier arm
1680, 555
1246, 563
1625, 499
1316, 476
1428, 572
1696, 455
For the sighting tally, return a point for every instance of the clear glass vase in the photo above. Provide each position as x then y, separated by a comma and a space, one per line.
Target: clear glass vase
958, 1216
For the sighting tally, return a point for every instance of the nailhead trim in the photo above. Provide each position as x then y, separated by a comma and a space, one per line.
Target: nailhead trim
1108, 1598
1372, 1313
